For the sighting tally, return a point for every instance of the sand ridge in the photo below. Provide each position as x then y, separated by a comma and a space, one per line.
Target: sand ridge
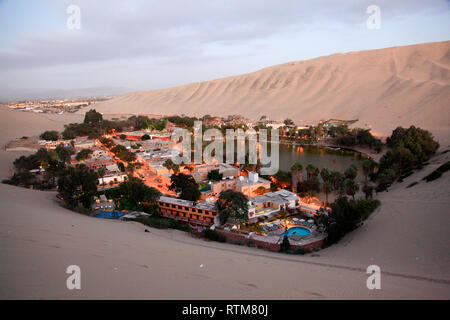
383, 88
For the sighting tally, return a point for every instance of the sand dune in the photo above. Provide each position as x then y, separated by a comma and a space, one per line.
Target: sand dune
382, 88
407, 237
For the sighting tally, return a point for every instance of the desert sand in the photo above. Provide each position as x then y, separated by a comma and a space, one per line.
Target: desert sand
407, 237
384, 88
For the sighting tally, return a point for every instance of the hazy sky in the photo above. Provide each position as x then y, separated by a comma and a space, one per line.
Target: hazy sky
157, 44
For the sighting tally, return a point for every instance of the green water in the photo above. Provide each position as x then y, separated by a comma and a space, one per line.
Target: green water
320, 157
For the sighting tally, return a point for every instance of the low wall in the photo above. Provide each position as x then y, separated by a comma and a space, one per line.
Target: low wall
236, 238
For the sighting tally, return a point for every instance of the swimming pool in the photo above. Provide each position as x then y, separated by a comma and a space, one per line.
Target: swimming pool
296, 231
109, 215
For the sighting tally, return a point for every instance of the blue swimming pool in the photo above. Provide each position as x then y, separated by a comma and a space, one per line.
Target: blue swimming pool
109, 214
297, 231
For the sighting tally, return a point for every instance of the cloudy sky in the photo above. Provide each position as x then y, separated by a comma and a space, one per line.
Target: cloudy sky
157, 44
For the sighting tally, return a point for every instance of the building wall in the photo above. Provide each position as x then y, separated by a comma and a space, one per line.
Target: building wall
187, 215
236, 238
115, 178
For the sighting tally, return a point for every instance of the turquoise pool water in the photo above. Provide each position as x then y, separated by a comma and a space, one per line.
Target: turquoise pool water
109, 214
297, 231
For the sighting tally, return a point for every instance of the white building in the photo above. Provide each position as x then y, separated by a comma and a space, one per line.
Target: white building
247, 185
272, 203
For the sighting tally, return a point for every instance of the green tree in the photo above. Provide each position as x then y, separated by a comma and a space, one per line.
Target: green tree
83, 154
351, 187
296, 171
121, 166
50, 136
133, 193
186, 186
232, 204
285, 245
311, 171
101, 173
326, 188
78, 185
351, 172
385, 179
68, 133
214, 175
368, 166
368, 191
93, 117
63, 153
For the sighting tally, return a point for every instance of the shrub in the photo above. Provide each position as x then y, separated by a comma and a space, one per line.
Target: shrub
438, 172
412, 184
213, 235
162, 223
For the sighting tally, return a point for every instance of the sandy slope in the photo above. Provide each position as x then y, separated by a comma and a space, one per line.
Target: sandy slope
39, 239
383, 88
16, 124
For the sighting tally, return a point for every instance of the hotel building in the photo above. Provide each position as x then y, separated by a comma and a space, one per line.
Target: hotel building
195, 214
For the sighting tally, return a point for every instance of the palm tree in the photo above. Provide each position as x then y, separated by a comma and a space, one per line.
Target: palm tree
351, 172
325, 174
368, 166
351, 187
368, 191
327, 188
296, 171
101, 172
169, 165
311, 171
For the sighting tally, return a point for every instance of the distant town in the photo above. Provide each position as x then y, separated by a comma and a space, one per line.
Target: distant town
54, 105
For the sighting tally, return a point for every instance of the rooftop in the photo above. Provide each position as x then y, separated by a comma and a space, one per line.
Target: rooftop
280, 196
187, 203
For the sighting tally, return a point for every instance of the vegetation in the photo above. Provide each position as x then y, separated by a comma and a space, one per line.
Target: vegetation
438, 172
171, 166
93, 117
345, 216
410, 149
162, 223
123, 154
186, 186
285, 245
360, 137
232, 204
133, 194
50, 136
215, 175
64, 153
186, 122
83, 154
78, 186
213, 235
